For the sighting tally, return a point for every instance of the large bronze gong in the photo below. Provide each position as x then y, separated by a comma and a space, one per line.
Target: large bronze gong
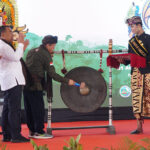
88, 99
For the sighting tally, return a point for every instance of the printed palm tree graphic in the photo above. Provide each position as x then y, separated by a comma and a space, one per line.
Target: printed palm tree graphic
67, 39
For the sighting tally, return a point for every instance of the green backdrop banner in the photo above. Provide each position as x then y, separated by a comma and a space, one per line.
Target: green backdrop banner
121, 77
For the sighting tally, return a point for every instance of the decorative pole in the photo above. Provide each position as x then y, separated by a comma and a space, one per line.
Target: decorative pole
111, 128
49, 100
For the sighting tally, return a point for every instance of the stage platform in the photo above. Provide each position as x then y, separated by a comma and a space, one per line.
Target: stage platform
90, 138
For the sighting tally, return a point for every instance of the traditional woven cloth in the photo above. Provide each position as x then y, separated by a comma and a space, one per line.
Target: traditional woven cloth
140, 85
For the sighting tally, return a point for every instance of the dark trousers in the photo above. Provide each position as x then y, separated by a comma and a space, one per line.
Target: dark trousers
11, 114
34, 107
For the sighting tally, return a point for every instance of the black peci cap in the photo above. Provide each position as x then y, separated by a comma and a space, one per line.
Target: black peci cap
49, 39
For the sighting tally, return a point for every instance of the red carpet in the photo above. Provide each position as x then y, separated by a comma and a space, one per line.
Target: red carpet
90, 138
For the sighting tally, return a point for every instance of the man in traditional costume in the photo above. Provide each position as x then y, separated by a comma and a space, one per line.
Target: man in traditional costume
139, 44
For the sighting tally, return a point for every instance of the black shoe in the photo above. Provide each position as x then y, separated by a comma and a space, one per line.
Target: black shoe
20, 139
6, 138
136, 132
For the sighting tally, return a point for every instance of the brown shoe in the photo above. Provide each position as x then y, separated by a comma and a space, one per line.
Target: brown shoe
136, 132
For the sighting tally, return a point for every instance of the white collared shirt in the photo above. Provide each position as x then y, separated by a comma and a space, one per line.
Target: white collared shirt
10, 66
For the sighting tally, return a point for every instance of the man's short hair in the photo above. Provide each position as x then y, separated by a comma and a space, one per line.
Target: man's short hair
2, 29
49, 39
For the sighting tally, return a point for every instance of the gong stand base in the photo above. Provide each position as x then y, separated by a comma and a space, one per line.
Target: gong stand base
49, 131
109, 129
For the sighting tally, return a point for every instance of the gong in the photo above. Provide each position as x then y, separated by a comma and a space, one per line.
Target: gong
89, 98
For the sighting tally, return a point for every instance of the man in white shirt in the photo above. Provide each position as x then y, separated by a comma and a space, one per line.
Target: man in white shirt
11, 81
